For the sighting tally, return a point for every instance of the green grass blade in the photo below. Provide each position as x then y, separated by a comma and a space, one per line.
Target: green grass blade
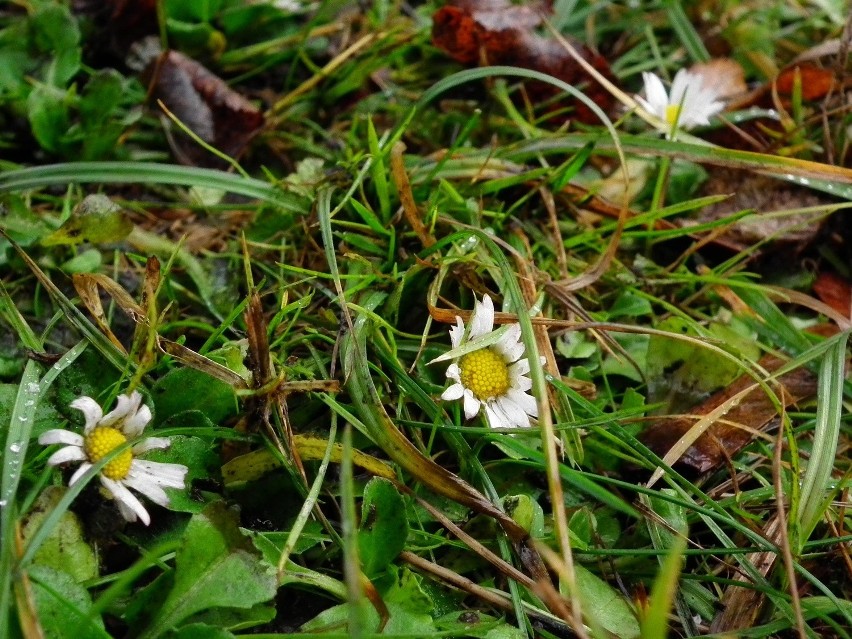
829, 412
147, 173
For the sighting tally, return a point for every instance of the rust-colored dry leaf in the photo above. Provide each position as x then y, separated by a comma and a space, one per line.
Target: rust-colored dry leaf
737, 427
497, 32
203, 102
835, 291
816, 81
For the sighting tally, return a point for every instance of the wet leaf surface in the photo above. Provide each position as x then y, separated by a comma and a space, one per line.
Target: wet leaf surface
737, 427
494, 32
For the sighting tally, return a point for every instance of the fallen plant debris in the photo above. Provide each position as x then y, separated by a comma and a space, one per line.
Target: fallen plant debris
206, 105
491, 32
739, 418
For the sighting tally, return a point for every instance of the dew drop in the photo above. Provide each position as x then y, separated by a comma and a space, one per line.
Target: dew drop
33, 388
15, 448
3, 503
22, 418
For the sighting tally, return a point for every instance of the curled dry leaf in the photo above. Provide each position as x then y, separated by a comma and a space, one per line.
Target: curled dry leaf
205, 104
497, 32
738, 426
835, 291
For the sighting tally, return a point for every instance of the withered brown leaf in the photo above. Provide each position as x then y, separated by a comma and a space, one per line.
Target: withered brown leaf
497, 32
727, 436
206, 104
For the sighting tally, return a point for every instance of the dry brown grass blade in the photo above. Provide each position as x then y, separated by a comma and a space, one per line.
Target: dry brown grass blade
25, 598
496, 599
406, 197
190, 358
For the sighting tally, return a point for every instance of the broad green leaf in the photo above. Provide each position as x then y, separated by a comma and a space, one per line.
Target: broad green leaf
88, 261
96, 219
527, 512
475, 624
272, 543
384, 527
19, 221
629, 304
605, 606
402, 621
407, 590
682, 373
199, 456
102, 94
233, 619
48, 112
64, 606
185, 389
199, 631
217, 566
66, 548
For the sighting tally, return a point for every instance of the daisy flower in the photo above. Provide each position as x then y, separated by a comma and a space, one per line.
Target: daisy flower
690, 102
104, 433
491, 378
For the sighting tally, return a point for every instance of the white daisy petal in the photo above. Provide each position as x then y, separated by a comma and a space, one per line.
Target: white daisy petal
453, 392
471, 404
66, 454
151, 443
453, 372
657, 98
515, 414
125, 405
147, 487
125, 497
683, 83
79, 473
60, 436
521, 383
510, 345
162, 473
135, 423
525, 402
456, 332
482, 320
493, 419
497, 417
91, 410
521, 367
128, 513
511, 352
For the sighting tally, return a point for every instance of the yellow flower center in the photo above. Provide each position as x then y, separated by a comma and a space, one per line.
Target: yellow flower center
101, 441
672, 114
485, 373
